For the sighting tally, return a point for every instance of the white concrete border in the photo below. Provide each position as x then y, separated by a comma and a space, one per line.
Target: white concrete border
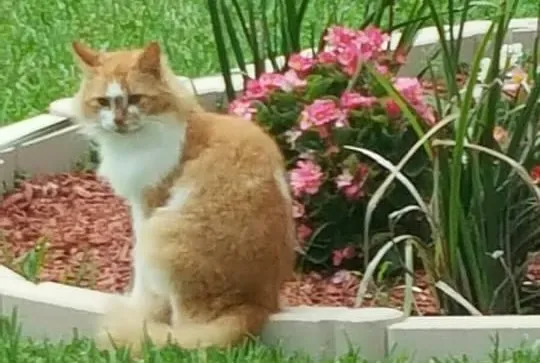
473, 336
52, 311
50, 143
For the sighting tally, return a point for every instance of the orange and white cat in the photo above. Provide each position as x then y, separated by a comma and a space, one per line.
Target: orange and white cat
212, 215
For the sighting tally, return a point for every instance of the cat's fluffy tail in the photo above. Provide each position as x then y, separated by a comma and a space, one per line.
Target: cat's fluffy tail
228, 329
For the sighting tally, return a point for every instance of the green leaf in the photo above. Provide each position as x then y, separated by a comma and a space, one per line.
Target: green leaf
398, 98
235, 43
224, 63
267, 38
258, 61
344, 136
317, 88
243, 23
310, 140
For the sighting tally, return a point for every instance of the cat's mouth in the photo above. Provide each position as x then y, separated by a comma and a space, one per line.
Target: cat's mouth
126, 129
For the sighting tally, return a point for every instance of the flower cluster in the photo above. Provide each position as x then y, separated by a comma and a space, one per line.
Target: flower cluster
317, 106
349, 48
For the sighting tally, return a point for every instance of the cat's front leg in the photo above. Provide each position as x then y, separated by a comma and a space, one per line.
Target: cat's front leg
154, 306
124, 324
127, 316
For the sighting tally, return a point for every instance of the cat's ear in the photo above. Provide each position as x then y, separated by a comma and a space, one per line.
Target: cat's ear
150, 59
85, 56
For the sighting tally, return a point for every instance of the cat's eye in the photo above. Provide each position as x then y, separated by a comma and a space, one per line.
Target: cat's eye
102, 101
134, 99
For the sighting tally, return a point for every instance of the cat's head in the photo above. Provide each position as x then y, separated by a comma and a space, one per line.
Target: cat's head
122, 90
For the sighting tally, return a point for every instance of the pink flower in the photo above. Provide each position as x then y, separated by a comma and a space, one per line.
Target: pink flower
382, 69
300, 63
371, 42
298, 210
306, 178
344, 254
350, 100
348, 58
272, 81
352, 47
255, 90
320, 113
339, 37
412, 91
327, 57
410, 88
375, 37
366, 49
293, 81
303, 232
242, 108
351, 185
427, 114
392, 108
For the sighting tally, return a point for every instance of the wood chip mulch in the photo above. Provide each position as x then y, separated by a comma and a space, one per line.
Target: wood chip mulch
88, 235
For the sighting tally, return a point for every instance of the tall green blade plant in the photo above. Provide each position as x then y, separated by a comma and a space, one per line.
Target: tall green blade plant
482, 196
262, 31
485, 207
253, 35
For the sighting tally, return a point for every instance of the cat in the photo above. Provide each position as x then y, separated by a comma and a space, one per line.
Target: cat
214, 234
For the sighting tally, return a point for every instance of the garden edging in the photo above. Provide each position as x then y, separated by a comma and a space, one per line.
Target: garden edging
50, 143
53, 311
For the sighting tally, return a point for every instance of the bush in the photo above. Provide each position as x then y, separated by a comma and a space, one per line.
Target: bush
317, 106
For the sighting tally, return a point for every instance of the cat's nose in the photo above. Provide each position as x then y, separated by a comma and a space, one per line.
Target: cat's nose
119, 121
120, 117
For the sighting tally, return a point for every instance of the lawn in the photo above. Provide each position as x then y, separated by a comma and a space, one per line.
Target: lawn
37, 66
16, 349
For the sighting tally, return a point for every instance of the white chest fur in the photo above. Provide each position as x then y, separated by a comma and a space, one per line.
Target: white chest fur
133, 162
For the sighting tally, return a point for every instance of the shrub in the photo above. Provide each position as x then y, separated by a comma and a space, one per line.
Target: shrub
317, 106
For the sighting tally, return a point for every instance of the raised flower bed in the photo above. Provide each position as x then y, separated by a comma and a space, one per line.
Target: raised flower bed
88, 229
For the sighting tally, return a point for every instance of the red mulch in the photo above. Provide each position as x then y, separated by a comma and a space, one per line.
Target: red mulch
88, 233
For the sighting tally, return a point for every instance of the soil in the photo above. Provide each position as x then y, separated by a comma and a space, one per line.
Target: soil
88, 234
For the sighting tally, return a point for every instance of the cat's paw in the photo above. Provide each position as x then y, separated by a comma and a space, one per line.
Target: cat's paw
190, 337
121, 327
104, 340
125, 336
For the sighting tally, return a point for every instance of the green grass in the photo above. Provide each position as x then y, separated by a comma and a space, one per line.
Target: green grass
37, 67
16, 349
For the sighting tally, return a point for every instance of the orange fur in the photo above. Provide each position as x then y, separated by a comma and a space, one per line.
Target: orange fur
214, 235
